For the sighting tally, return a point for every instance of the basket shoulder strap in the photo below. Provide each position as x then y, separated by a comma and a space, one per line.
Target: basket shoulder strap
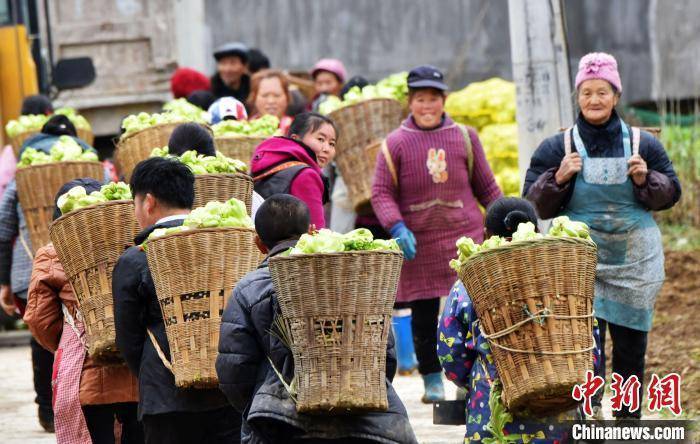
636, 137
567, 141
277, 169
390, 163
468, 146
159, 350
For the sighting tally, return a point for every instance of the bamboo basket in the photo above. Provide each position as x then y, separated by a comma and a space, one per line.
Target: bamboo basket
194, 273
37, 187
89, 242
238, 147
534, 300
360, 128
19, 140
86, 135
222, 187
336, 314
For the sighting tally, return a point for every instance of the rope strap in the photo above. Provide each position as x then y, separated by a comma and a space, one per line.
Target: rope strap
161, 355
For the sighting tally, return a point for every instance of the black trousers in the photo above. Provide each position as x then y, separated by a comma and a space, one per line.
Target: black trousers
629, 347
42, 366
424, 320
100, 422
221, 426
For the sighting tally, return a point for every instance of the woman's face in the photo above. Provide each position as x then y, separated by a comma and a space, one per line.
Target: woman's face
322, 143
327, 83
427, 107
597, 100
271, 98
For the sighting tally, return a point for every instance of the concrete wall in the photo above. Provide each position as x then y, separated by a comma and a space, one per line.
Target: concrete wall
653, 40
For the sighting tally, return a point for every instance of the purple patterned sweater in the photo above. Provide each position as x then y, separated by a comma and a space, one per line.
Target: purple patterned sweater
435, 199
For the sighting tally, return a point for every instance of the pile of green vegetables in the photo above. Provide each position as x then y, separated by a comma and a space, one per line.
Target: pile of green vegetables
265, 126
34, 122
229, 214
562, 226
393, 87
65, 149
201, 164
175, 111
327, 241
77, 197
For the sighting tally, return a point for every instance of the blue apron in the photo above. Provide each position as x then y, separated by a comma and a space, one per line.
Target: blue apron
630, 269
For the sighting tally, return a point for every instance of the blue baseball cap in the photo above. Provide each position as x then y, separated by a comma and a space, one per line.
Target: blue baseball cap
426, 76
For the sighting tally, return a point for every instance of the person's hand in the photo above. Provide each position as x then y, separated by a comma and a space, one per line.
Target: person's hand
405, 239
638, 170
570, 165
7, 300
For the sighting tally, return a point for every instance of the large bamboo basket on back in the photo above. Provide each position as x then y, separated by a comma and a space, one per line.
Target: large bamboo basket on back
238, 147
360, 126
19, 140
336, 314
37, 187
86, 135
89, 242
194, 274
534, 300
222, 187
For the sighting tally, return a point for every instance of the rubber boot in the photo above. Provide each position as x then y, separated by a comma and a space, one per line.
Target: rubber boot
405, 352
434, 390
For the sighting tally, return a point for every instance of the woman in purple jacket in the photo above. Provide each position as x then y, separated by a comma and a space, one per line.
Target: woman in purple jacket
431, 176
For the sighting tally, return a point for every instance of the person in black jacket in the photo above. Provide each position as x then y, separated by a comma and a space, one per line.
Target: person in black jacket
231, 78
163, 192
247, 351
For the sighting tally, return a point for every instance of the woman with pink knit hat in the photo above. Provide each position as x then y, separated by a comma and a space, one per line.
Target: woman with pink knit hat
611, 176
329, 76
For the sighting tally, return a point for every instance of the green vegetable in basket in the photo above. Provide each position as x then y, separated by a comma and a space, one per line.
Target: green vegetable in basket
327, 241
177, 111
393, 87
77, 120
562, 226
265, 126
34, 122
31, 156
77, 197
63, 150
185, 109
526, 231
201, 164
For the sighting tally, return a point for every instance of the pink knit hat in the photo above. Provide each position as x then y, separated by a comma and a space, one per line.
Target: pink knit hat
334, 66
598, 65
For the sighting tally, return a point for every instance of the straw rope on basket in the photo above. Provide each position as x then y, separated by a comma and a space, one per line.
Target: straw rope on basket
194, 272
37, 186
19, 140
89, 242
222, 187
534, 300
238, 147
359, 126
336, 314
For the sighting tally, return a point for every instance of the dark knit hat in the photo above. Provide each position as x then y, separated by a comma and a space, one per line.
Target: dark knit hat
191, 136
201, 98
59, 125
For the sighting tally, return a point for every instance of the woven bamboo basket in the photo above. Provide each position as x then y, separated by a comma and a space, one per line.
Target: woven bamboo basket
89, 242
37, 187
222, 187
534, 300
238, 147
19, 140
336, 311
86, 135
359, 126
137, 146
194, 274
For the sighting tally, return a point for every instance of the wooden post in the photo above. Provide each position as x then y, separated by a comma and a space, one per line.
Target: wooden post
540, 72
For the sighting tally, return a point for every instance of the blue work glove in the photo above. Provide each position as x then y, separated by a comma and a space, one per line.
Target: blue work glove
405, 238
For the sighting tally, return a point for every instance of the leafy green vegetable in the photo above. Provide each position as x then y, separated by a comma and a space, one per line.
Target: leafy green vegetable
176, 111
561, 227
392, 87
327, 241
500, 418
232, 213
77, 197
201, 164
63, 150
265, 126
34, 122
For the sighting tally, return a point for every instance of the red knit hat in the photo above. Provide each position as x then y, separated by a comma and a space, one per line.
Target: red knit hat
187, 80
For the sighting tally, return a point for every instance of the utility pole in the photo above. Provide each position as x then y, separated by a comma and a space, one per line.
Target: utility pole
540, 72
